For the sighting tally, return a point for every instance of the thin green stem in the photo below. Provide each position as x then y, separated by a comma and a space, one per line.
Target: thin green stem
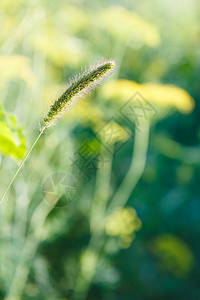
21, 165
135, 171
120, 198
96, 242
16, 286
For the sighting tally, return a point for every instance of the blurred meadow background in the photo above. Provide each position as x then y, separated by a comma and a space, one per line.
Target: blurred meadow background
108, 204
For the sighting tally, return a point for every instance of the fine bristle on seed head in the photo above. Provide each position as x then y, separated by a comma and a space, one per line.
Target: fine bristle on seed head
79, 86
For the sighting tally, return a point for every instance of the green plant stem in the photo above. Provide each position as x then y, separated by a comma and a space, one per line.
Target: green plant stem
135, 171
97, 213
16, 286
119, 199
101, 195
21, 165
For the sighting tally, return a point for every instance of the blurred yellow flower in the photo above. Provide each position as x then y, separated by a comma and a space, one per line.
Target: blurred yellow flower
11, 5
112, 132
168, 95
122, 223
61, 51
173, 253
127, 25
157, 94
8, 24
16, 66
86, 112
73, 19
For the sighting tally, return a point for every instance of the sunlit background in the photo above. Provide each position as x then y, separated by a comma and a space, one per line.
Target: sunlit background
108, 204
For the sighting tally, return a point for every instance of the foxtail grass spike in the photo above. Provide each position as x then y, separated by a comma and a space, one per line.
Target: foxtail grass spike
79, 86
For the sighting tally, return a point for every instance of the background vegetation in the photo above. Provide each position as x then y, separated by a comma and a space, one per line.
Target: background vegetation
127, 223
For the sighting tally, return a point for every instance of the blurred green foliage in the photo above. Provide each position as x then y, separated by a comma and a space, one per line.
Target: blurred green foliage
174, 255
12, 142
131, 232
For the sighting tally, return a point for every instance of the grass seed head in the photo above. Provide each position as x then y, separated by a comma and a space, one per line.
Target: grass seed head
79, 86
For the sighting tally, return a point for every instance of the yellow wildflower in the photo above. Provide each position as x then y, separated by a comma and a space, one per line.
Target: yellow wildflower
123, 223
158, 94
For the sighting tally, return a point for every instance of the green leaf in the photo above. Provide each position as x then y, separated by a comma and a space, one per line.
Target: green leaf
12, 140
